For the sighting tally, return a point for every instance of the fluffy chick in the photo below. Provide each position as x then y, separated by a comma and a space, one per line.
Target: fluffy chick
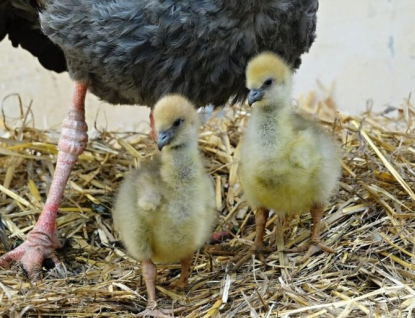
165, 208
288, 163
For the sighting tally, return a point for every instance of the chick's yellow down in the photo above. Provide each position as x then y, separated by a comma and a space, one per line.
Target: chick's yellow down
164, 210
288, 163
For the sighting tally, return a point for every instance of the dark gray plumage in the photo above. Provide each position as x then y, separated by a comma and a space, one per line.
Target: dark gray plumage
134, 52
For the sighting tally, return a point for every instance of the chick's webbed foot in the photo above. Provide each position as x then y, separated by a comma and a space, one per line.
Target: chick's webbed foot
310, 250
257, 250
315, 244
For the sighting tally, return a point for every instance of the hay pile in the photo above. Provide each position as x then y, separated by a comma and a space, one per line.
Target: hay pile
370, 222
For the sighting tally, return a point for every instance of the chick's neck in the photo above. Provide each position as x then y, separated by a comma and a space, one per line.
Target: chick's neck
273, 121
181, 164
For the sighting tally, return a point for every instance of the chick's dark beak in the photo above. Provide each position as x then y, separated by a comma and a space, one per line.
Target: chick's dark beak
164, 138
255, 95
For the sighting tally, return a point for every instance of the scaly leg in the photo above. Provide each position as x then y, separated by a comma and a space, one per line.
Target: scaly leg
150, 273
315, 244
42, 241
152, 127
258, 246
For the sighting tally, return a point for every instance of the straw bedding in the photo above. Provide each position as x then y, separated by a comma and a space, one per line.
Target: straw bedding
370, 222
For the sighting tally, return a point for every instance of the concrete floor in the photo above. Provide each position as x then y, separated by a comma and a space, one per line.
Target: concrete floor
366, 48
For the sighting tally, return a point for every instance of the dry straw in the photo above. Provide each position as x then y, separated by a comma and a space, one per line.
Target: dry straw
370, 222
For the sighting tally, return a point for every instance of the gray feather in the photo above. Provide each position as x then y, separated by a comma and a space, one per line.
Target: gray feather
134, 52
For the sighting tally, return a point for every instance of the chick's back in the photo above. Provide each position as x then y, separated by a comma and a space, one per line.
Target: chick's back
161, 223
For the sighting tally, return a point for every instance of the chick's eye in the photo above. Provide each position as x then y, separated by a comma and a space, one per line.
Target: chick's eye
268, 82
177, 122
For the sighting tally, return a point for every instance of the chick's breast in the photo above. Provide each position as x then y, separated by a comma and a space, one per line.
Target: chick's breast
161, 223
291, 174
185, 222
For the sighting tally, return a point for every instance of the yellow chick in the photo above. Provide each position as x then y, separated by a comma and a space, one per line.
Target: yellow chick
288, 163
164, 210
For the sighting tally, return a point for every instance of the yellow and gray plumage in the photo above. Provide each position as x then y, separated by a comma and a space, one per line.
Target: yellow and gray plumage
288, 163
164, 210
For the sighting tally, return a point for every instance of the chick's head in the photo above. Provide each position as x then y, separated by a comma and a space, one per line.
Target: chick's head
268, 79
176, 122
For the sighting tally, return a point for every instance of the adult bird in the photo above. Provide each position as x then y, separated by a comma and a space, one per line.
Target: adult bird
134, 52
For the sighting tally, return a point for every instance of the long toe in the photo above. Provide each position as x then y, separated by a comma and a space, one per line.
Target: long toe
298, 249
11, 257
326, 248
311, 249
245, 255
241, 259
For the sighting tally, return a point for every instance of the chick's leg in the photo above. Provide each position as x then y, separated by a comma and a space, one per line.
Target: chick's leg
261, 218
184, 274
315, 244
258, 246
42, 241
149, 273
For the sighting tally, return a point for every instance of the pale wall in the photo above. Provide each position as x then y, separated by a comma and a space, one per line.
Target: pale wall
365, 47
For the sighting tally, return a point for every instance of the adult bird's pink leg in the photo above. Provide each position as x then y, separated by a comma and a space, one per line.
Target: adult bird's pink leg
152, 127
42, 241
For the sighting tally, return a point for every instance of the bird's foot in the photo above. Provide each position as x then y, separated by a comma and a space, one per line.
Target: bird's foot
257, 250
312, 248
38, 247
152, 311
178, 285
